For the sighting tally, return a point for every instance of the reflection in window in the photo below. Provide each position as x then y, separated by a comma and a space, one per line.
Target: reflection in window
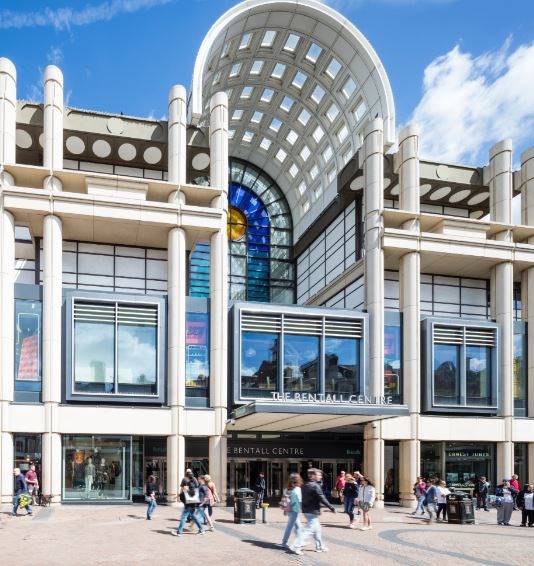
446, 374
301, 363
392, 362
341, 366
197, 364
27, 345
115, 348
96, 468
478, 375
259, 364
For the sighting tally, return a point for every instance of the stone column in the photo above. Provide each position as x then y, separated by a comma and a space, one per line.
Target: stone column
8, 111
530, 478
499, 178
373, 168
177, 135
53, 119
527, 288
219, 290
410, 284
176, 285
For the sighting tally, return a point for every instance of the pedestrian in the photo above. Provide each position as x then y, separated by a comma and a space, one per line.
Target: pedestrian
189, 494
430, 501
481, 491
366, 499
525, 502
514, 482
294, 494
32, 483
419, 490
350, 493
505, 494
443, 491
312, 499
340, 485
21, 495
259, 489
203, 491
150, 496
213, 495
358, 477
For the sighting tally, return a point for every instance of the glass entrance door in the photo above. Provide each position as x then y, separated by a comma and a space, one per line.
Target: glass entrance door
158, 467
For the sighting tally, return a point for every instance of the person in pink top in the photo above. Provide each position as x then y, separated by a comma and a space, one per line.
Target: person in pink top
33, 483
340, 485
515, 483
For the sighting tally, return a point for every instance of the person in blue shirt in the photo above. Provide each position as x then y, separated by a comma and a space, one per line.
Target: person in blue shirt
20, 487
431, 498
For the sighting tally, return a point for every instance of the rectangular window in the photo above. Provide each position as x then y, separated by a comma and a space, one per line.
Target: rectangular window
197, 358
392, 362
301, 363
96, 468
259, 364
462, 366
28, 345
342, 362
520, 369
114, 348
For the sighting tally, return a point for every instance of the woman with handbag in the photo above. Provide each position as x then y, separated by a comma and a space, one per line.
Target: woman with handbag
366, 498
150, 496
213, 496
350, 493
294, 494
204, 502
505, 501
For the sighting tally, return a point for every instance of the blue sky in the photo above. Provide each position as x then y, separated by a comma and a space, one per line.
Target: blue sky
463, 69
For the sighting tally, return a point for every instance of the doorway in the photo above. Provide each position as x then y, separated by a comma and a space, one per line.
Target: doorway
391, 475
157, 466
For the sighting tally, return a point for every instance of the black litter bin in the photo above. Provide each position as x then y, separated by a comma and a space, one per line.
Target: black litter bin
460, 508
244, 506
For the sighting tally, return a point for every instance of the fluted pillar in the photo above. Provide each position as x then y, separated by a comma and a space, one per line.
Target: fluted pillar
8, 111
219, 289
51, 343
410, 283
499, 178
373, 167
176, 285
177, 135
527, 218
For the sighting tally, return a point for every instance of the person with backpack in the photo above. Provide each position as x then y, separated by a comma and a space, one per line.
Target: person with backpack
21, 496
259, 489
419, 490
189, 495
291, 504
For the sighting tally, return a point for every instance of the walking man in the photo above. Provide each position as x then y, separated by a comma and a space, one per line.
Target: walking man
481, 492
312, 498
21, 488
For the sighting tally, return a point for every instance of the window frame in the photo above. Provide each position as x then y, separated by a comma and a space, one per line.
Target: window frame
71, 296
428, 389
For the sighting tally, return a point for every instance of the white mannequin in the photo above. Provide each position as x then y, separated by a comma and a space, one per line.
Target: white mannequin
89, 476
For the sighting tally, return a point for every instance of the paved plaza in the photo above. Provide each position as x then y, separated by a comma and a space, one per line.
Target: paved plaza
121, 535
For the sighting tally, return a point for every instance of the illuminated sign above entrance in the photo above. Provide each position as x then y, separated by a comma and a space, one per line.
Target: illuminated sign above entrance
325, 398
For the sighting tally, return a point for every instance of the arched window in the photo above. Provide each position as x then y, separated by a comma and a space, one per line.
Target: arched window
260, 241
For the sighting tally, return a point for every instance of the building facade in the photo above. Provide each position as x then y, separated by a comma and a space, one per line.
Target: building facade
259, 283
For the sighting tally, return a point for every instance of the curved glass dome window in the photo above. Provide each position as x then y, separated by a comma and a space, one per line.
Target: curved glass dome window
260, 241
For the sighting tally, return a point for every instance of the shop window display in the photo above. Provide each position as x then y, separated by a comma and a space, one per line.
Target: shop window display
96, 468
28, 345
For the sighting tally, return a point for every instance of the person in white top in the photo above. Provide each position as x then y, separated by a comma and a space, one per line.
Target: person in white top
366, 498
443, 491
525, 502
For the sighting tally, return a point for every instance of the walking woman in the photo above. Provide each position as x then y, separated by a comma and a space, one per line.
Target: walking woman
340, 485
203, 491
213, 496
506, 494
294, 493
351, 493
150, 496
366, 498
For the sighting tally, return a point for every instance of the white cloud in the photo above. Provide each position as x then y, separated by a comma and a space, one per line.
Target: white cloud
65, 18
55, 56
470, 102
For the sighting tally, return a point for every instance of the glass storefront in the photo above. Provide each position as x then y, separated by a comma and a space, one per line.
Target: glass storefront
27, 450
391, 472
521, 462
520, 369
96, 468
458, 463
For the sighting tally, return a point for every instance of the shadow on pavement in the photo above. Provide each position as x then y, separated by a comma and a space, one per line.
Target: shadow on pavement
264, 544
136, 516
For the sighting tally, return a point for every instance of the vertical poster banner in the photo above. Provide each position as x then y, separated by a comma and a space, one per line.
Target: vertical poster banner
197, 352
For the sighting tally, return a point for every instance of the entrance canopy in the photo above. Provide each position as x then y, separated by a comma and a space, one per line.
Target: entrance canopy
291, 416
302, 82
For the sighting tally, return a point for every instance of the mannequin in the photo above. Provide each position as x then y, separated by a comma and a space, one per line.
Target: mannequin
89, 476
